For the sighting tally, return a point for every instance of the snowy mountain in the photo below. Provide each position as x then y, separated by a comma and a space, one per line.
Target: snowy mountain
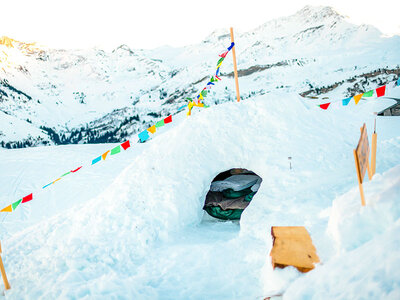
132, 226
55, 96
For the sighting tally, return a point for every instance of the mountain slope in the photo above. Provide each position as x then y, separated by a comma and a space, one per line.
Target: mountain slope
94, 96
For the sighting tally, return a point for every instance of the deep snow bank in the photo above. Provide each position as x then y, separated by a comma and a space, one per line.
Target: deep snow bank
367, 265
100, 248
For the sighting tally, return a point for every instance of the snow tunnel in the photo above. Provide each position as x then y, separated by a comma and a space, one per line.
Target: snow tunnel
230, 193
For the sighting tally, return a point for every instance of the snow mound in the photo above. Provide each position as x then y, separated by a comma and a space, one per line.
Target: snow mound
368, 239
136, 240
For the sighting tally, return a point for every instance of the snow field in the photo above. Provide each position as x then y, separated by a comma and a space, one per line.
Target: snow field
144, 235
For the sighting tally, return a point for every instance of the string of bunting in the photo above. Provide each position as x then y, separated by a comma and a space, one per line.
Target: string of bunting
143, 136
214, 78
378, 92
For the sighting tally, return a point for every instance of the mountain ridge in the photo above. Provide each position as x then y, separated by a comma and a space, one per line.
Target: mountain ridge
67, 90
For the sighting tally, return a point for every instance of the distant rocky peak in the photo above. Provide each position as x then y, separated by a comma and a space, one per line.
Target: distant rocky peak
123, 48
319, 12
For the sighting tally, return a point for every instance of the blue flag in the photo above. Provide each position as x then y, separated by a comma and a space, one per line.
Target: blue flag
96, 160
144, 136
346, 101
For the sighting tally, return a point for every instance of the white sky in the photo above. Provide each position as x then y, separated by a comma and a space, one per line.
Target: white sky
152, 23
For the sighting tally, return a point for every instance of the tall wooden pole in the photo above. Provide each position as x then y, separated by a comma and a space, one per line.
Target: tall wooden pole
3, 273
235, 68
373, 149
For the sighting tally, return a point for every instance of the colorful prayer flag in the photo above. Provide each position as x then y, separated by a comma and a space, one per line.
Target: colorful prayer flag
56, 180
152, 129
47, 185
15, 204
115, 150
7, 209
144, 136
346, 101
380, 91
220, 61
168, 120
161, 123
27, 198
204, 93
96, 160
104, 155
76, 170
126, 145
223, 55
231, 46
65, 174
369, 93
357, 98
398, 81
325, 105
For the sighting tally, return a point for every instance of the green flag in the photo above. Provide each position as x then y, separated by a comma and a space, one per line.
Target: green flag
160, 124
369, 94
116, 150
204, 93
15, 204
65, 174
220, 60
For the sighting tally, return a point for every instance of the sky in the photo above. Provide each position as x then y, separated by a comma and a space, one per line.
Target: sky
154, 23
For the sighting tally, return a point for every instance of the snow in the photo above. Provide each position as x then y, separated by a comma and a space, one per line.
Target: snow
133, 226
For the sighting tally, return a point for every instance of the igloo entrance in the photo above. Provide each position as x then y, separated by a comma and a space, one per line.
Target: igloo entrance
230, 193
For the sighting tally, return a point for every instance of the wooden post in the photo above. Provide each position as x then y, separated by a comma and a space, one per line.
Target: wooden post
3, 273
373, 152
359, 178
235, 68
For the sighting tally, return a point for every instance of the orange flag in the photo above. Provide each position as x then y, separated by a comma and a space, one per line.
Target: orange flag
56, 180
104, 155
7, 209
357, 98
152, 129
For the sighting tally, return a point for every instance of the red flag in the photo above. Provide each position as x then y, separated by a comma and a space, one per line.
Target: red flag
27, 198
77, 169
168, 120
325, 105
126, 145
223, 54
380, 91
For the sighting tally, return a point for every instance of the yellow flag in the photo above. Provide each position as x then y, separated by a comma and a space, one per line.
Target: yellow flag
7, 209
357, 98
190, 106
56, 180
152, 129
104, 155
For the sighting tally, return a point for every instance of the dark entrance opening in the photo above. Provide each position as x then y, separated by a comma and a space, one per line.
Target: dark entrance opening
230, 193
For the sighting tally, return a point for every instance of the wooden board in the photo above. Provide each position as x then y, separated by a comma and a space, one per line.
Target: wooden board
292, 246
362, 152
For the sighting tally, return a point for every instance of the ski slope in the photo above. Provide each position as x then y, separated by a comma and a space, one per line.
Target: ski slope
132, 227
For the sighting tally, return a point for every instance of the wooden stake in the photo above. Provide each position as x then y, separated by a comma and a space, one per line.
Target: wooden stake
3, 273
235, 68
373, 152
359, 178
